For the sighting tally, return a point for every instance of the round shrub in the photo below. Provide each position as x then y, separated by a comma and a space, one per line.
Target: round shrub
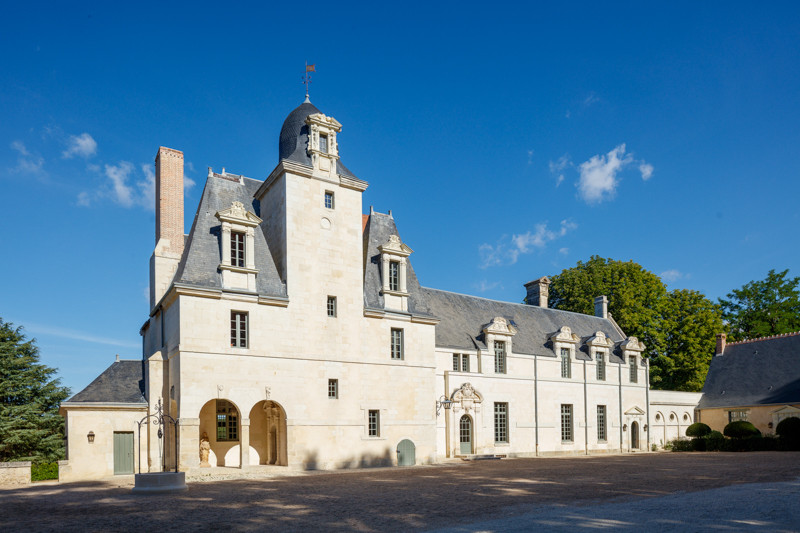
789, 428
698, 429
741, 430
714, 441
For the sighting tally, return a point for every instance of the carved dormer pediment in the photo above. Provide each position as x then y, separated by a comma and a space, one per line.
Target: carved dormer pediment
323, 147
237, 214
564, 335
395, 246
500, 326
632, 344
599, 340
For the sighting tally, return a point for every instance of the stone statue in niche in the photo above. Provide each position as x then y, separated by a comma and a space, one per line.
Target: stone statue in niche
205, 450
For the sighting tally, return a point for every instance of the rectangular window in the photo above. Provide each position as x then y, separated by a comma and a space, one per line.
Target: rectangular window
601, 423
394, 276
501, 422
332, 306
238, 329
566, 422
329, 199
323, 144
738, 414
566, 364
237, 249
397, 343
374, 429
601, 365
633, 369
456, 362
333, 389
499, 357
227, 418
465, 362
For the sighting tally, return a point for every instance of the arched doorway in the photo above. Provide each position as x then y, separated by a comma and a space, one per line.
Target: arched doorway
465, 435
406, 453
635, 435
220, 422
268, 434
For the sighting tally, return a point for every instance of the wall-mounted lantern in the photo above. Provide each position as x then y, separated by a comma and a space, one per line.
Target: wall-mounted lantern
769, 425
645, 427
90, 437
624, 427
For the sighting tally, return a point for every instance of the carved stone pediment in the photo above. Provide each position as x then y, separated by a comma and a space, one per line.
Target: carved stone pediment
565, 335
237, 214
320, 119
600, 340
500, 326
394, 246
632, 344
466, 398
634, 411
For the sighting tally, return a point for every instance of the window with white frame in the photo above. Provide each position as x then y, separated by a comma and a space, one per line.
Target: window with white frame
465, 362
374, 423
397, 343
633, 368
499, 357
600, 358
566, 423
738, 414
333, 389
331, 306
456, 362
566, 364
237, 249
238, 329
329, 199
601, 423
323, 143
227, 421
394, 275
501, 422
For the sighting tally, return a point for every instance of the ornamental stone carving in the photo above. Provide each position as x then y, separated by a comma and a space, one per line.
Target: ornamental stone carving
466, 398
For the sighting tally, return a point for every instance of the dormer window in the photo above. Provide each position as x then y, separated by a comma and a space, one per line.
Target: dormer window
237, 248
323, 144
394, 264
394, 275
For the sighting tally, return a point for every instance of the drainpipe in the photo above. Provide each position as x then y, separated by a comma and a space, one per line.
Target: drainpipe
447, 414
621, 436
585, 412
536, 402
646, 362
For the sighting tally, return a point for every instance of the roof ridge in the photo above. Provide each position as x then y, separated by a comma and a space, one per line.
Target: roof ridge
777, 336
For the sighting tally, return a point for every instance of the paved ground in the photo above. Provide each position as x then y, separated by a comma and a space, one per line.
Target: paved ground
665, 491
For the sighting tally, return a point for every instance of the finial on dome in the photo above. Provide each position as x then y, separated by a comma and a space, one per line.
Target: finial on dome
307, 79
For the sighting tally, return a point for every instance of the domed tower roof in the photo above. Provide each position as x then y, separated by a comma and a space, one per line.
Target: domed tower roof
294, 134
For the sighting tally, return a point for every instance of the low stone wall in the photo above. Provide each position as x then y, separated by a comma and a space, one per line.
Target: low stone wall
15, 473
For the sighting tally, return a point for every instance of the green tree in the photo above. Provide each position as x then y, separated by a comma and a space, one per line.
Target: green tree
761, 308
689, 324
634, 296
30, 427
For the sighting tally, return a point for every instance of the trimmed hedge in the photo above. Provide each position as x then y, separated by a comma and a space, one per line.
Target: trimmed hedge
44, 471
698, 429
714, 441
741, 430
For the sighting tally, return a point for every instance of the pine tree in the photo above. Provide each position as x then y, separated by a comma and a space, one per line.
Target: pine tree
30, 427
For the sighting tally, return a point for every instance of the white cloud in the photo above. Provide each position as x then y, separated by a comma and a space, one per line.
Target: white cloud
82, 145
598, 181
530, 157
671, 275
557, 167
41, 329
125, 188
121, 192
84, 200
646, 169
591, 99
484, 285
147, 187
563, 251
27, 163
507, 251
559, 179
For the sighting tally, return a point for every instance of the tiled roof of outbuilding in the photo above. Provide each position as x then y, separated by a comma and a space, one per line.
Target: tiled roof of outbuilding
200, 263
462, 319
122, 382
754, 372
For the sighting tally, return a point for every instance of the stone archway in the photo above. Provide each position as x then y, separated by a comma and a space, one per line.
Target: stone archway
268, 442
635, 435
221, 420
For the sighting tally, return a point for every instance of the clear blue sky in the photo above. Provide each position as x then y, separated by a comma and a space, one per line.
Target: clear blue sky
510, 141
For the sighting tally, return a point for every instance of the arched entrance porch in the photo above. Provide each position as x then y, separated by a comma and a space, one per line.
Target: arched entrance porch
220, 422
268, 434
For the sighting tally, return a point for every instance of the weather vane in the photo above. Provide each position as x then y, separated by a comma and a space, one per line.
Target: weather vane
307, 77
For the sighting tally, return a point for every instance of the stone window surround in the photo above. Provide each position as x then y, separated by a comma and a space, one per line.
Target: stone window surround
333, 389
329, 200
565, 339
397, 344
237, 219
499, 330
394, 251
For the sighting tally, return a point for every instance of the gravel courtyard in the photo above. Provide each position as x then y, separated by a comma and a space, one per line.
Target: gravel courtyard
663, 491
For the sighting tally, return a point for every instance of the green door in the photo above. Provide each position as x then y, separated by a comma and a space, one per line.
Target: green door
406, 453
123, 452
465, 434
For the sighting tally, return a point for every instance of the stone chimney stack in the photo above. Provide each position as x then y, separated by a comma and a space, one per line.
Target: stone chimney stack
601, 307
538, 291
720, 343
169, 222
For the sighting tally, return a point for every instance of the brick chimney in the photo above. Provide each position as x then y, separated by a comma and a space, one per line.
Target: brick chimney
720, 343
538, 291
169, 222
601, 307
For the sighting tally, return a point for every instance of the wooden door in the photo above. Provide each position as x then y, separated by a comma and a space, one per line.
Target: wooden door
123, 452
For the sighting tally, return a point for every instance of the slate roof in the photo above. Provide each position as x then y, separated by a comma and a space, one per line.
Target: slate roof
379, 228
463, 318
757, 372
201, 259
122, 382
294, 138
